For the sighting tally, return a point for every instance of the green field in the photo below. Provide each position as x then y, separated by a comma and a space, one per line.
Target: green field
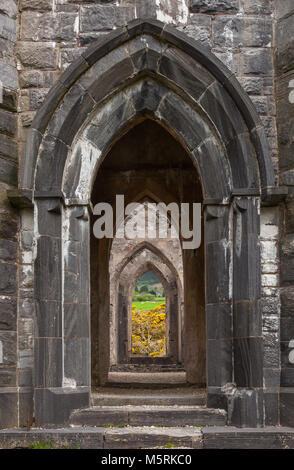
148, 305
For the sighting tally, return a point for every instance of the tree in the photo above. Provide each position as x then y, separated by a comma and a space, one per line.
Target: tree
144, 289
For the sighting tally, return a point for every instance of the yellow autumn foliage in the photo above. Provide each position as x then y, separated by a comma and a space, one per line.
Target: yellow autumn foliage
149, 332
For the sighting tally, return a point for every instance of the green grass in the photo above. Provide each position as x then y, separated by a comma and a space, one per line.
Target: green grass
149, 305
169, 445
49, 445
41, 445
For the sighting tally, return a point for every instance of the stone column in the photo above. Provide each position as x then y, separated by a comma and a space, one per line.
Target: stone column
55, 397
246, 404
218, 303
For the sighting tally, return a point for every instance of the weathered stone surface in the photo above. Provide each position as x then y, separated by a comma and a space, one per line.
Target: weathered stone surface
31, 78
7, 377
258, 7
57, 26
9, 408
75, 369
40, 5
252, 85
53, 406
287, 407
9, 8
199, 28
38, 55
48, 362
257, 62
8, 148
241, 32
9, 76
7, 28
8, 279
8, 312
8, 123
214, 6
283, 8
104, 17
48, 261
8, 340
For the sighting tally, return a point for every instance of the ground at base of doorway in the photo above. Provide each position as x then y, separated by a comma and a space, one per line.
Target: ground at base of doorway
189, 437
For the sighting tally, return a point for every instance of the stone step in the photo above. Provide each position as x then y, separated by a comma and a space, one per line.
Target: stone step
148, 416
146, 379
124, 396
153, 438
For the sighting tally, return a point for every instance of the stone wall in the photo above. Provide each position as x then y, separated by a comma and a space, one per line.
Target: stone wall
38, 40
284, 62
8, 216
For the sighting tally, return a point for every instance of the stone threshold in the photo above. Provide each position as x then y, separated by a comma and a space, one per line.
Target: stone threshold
214, 437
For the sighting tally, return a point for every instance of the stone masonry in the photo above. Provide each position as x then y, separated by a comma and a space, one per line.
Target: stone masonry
39, 39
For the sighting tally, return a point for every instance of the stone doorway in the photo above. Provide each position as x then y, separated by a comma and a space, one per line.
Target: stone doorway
147, 164
147, 76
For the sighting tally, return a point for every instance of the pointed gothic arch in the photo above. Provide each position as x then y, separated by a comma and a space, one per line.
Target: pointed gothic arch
147, 70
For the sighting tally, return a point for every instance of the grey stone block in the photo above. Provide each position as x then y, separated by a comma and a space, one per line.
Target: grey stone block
26, 407
8, 172
186, 73
246, 408
287, 407
53, 406
183, 120
9, 100
223, 111
49, 217
76, 320
47, 26
271, 409
9, 8
41, 55
8, 408
219, 321
48, 318
287, 376
8, 312
257, 62
77, 360
31, 79
71, 114
7, 28
9, 76
40, 5
48, 362
48, 266
199, 28
247, 318
214, 6
219, 358
272, 378
49, 175
8, 122
248, 362
7, 376
8, 339
241, 32
8, 148
104, 17
217, 255
252, 85
258, 7
8, 279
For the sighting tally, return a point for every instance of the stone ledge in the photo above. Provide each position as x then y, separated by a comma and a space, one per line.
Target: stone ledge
216, 437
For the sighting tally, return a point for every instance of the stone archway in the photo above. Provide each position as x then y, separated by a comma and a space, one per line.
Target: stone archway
137, 265
148, 69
